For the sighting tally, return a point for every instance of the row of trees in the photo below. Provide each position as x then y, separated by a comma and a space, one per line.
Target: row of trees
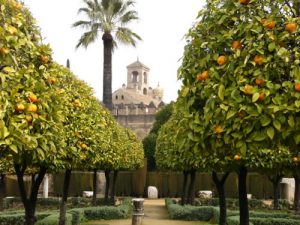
238, 109
49, 119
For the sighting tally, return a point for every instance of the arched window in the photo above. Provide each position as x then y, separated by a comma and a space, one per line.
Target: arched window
117, 97
122, 97
145, 91
135, 75
145, 78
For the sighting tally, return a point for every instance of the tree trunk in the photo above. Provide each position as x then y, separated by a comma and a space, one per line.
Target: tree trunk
243, 200
2, 190
113, 188
29, 202
95, 187
220, 185
191, 193
275, 180
107, 71
63, 204
183, 194
107, 181
297, 7
296, 196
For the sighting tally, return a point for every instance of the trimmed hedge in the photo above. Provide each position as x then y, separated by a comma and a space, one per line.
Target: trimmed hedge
74, 216
191, 213
211, 213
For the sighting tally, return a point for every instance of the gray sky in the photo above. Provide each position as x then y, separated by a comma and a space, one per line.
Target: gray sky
162, 25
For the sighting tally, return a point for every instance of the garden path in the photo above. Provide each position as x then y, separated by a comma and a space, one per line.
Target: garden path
155, 214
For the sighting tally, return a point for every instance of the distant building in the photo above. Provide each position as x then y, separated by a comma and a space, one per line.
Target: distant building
135, 104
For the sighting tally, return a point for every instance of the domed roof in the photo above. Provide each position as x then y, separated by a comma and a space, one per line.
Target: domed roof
158, 91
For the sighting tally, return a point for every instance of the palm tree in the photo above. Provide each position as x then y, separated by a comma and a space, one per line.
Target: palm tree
108, 18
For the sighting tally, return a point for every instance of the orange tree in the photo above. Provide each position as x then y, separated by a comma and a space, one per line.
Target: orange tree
83, 133
241, 74
177, 150
31, 112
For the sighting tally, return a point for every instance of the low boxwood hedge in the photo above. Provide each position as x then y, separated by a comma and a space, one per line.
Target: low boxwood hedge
74, 216
211, 213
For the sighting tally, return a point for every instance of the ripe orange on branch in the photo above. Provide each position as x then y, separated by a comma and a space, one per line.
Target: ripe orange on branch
295, 159
269, 24
248, 89
32, 98
202, 76
4, 51
32, 108
259, 59
222, 60
236, 157
218, 129
259, 82
297, 87
261, 97
20, 107
244, 2
236, 45
291, 27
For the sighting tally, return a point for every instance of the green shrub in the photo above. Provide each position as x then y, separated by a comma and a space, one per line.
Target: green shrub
274, 221
53, 219
122, 211
187, 212
78, 216
17, 217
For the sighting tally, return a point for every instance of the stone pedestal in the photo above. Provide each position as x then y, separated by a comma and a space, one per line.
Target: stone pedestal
138, 211
101, 184
45, 186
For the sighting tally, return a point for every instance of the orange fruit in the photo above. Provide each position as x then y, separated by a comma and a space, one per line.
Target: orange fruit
297, 87
20, 107
244, 2
44, 58
32, 98
52, 80
218, 129
270, 24
259, 82
221, 60
29, 118
236, 157
32, 108
84, 146
258, 59
291, 27
261, 97
202, 76
248, 89
4, 51
295, 159
236, 45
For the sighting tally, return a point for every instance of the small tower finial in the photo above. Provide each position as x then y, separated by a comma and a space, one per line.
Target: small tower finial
68, 63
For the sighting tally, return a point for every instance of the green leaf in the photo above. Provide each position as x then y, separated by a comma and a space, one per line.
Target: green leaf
185, 92
14, 148
265, 121
271, 132
297, 138
277, 124
221, 92
255, 97
8, 69
291, 121
230, 114
272, 46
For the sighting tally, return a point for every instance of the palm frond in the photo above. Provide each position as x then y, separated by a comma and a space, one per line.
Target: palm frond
128, 17
87, 38
82, 23
126, 36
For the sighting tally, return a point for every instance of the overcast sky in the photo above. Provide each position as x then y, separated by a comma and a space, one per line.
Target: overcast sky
162, 25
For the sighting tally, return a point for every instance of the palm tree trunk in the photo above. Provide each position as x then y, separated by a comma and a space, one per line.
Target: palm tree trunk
63, 204
183, 194
220, 185
29, 202
95, 187
243, 200
107, 70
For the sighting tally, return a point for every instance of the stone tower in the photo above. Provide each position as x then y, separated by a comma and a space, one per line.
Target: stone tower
135, 104
137, 77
